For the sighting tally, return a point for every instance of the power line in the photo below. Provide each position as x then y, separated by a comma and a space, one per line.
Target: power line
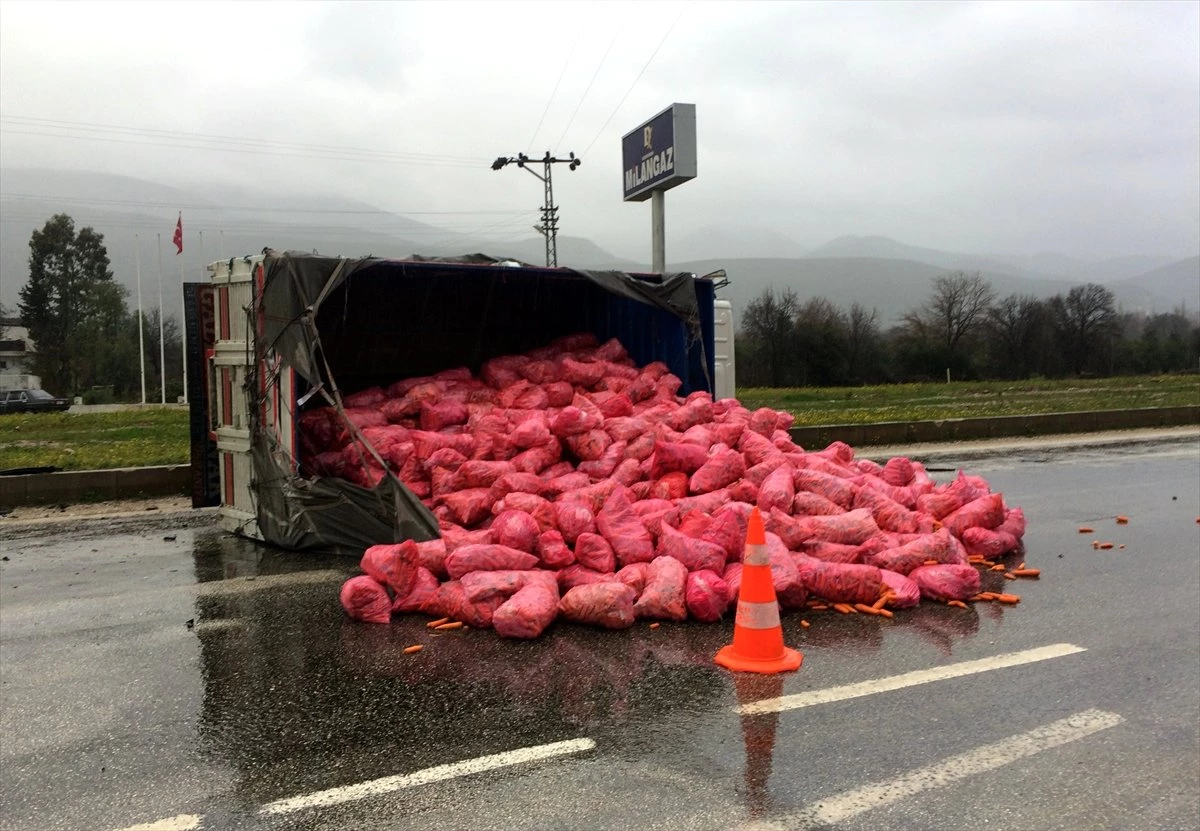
87, 126
553, 92
588, 89
18, 217
176, 206
525, 217
635, 80
263, 152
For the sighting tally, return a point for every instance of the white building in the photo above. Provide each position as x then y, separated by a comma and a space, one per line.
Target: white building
16, 356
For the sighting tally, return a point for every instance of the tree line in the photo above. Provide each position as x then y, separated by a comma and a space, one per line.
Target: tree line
962, 329
86, 337
84, 334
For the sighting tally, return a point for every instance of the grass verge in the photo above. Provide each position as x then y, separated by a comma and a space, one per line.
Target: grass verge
924, 402
94, 441
135, 438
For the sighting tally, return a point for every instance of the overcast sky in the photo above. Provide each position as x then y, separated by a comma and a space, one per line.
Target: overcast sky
1013, 127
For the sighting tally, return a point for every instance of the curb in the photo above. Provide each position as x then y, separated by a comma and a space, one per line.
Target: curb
997, 427
72, 486
105, 523
1008, 447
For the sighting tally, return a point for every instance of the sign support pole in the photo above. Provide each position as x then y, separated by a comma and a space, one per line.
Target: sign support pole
658, 232
655, 157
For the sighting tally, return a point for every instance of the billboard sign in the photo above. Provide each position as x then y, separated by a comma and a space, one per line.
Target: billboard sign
660, 153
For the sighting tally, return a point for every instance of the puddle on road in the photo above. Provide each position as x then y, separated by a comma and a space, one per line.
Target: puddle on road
219, 555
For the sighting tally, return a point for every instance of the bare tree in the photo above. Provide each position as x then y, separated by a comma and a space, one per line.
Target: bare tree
942, 333
958, 305
1017, 327
862, 342
821, 343
1086, 323
768, 326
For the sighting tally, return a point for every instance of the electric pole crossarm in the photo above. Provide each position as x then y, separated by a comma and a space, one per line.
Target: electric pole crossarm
549, 226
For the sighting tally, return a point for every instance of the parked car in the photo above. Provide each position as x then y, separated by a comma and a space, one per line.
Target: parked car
31, 401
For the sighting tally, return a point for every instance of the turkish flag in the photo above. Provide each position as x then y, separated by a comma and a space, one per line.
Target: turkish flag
178, 239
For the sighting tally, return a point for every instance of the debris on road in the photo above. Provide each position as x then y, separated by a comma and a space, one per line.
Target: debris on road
569, 481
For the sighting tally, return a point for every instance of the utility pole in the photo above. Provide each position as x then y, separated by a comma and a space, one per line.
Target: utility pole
549, 226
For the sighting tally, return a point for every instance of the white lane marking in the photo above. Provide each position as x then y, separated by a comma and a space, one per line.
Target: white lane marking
908, 679
389, 784
180, 822
850, 804
218, 625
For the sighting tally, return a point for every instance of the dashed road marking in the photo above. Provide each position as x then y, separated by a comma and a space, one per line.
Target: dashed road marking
390, 784
218, 625
830, 811
850, 804
908, 679
180, 822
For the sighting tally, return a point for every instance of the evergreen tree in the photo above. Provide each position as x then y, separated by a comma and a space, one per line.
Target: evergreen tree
73, 309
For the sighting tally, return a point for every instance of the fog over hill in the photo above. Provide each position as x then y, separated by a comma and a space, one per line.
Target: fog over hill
880, 273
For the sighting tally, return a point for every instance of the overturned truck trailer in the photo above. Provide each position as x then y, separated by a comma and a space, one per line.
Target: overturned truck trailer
277, 334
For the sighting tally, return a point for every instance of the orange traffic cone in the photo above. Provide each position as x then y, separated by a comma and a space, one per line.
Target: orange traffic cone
757, 634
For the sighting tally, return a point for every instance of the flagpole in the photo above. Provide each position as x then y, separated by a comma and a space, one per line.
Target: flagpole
137, 244
162, 349
182, 318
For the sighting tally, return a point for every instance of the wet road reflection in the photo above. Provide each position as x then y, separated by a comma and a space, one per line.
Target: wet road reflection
297, 697
116, 712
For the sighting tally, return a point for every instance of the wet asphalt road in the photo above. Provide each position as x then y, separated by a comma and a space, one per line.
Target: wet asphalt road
113, 712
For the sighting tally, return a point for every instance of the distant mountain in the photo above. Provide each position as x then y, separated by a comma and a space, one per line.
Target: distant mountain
1103, 271
877, 272
204, 206
573, 252
889, 286
1046, 262
1118, 268
135, 215
68, 186
141, 242
1047, 265
1178, 281
892, 287
733, 241
885, 248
